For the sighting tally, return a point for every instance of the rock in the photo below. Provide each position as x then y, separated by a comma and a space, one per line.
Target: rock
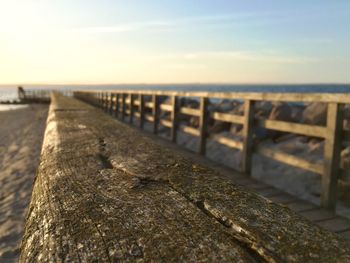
344, 191
345, 164
281, 112
187, 119
315, 114
262, 109
222, 106
347, 111
194, 122
220, 126
226, 106
347, 124
238, 109
297, 112
190, 103
236, 129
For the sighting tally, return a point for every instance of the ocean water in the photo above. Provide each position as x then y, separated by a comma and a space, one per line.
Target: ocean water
10, 92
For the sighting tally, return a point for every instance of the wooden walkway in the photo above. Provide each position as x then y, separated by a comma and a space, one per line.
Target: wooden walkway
167, 108
319, 216
106, 193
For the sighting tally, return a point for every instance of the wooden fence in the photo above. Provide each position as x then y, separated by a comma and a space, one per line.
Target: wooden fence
132, 104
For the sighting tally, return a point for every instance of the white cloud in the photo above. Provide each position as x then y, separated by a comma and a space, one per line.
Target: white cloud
173, 23
123, 27
263, 56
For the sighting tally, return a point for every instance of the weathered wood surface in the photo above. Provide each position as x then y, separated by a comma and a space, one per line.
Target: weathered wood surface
332, 133
336, 223
104, 192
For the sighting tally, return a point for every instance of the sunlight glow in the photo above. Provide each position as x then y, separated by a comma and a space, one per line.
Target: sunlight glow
47, 41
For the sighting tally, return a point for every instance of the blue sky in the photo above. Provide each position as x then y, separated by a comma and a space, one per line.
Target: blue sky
153, 41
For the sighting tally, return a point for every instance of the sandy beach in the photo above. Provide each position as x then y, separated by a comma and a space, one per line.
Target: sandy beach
21, 135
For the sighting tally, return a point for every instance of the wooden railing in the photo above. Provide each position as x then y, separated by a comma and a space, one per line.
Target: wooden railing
132, 104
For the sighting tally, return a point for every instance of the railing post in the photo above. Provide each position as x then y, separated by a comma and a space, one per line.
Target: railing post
203, 125
155, 112
174, 104
142, 110
332, 151
123, 106
247, 151
111, 105
94, 97
131, 107
117, 105
106, 102
101, 100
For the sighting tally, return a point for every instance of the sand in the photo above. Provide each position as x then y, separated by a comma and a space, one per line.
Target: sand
21, 135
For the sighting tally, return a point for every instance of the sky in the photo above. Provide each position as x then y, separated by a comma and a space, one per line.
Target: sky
182, 41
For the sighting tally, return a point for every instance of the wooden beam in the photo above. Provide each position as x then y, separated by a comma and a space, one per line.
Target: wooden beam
228, 142
149, 105
190, 111
332, 151
296, 128
149, 118
225, 117
203, 125
142, 110
123, 106
131, 108
290, 159
166, 123
155, 112
111, 106
247, 152
105, 101
166, 107
174, 112
189, 130
117, 107
100, 99
110, 203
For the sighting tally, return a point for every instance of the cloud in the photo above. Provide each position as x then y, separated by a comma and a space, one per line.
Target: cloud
119, 28
170, 24
248, 56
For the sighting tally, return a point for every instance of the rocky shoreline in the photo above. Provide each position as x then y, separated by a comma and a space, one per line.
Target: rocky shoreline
293, 180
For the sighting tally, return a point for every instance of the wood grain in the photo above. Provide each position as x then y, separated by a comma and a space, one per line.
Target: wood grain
106, 193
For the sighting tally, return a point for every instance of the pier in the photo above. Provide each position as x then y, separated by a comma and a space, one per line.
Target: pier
106, 191
134, 104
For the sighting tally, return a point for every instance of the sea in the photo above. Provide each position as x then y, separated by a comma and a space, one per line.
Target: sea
8, 92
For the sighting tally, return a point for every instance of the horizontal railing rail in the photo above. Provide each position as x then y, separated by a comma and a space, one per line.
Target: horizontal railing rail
147, 106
